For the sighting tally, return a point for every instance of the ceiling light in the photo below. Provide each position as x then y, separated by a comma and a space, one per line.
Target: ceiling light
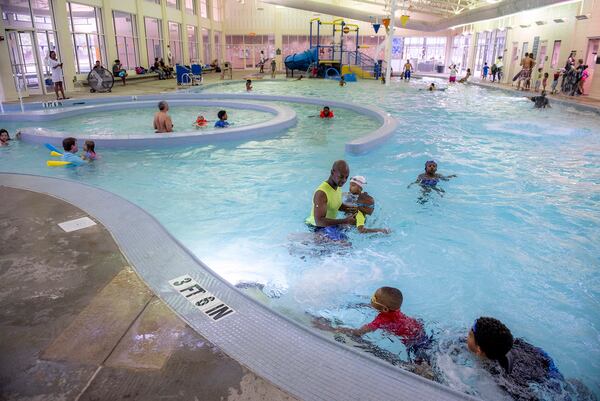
540, 22
525, 26
583, 16
560, 20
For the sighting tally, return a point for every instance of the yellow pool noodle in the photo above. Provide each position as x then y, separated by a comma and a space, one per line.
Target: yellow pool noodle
55, 154
56, 163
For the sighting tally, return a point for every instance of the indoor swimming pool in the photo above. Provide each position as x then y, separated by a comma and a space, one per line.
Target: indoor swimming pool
514, 236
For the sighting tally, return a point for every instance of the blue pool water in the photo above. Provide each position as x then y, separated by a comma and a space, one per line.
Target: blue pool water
514, 236
139, 120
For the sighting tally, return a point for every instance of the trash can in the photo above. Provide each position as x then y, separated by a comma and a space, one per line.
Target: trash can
439, 69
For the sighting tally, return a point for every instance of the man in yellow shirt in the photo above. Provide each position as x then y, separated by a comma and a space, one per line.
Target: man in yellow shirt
327, 200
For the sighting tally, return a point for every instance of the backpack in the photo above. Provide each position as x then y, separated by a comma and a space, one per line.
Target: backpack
494, 68
140, 70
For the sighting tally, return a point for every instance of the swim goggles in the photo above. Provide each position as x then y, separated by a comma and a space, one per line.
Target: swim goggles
374, 302
372, 206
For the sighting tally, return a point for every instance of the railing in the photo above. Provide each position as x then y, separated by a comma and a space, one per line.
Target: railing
365, 63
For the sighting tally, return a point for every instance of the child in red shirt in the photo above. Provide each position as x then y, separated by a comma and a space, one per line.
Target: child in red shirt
388, 300
326, 113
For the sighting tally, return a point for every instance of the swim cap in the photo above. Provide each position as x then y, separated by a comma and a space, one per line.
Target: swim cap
359, 180
428, 162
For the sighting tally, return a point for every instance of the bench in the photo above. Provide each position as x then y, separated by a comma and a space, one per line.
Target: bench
132, 76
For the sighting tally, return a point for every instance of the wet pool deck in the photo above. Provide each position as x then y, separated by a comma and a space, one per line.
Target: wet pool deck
76, 323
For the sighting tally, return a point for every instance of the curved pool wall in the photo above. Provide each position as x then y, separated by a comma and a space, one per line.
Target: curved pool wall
301, 362
36, 112
284, 118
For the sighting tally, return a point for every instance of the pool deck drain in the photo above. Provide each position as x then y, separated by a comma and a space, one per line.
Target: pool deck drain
296, 359
76, 323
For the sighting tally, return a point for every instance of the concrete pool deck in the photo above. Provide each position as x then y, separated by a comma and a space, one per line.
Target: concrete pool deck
77, 323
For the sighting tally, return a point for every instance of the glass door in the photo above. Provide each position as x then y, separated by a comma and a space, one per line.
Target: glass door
24, 62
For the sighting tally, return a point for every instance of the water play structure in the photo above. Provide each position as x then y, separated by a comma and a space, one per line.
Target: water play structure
339, 57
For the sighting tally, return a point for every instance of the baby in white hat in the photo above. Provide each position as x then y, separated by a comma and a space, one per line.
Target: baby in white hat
357, 185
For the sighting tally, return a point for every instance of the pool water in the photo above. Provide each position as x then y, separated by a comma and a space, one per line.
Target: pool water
140, 120
514, 236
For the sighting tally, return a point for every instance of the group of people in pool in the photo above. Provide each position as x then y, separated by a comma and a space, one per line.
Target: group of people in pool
70, 152
163, 122
519, 368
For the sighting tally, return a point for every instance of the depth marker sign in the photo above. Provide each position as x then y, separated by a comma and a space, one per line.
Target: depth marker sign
203, 300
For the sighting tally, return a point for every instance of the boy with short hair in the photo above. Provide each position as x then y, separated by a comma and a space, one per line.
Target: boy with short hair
248, 85
222, 123
387, 300
70, 147
557, 75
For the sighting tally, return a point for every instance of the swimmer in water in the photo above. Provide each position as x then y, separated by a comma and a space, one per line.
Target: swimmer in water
248, 85
431, 87
366, 204
524, 371
357, 185
201, 121
299, 78
162, 120
89, 152
326, 113
541, 102
222, 122
388, 301
342, 81
4, 137
430, 178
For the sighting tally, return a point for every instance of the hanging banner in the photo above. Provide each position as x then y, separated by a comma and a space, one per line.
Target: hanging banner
376, 27
404, 20
386, 22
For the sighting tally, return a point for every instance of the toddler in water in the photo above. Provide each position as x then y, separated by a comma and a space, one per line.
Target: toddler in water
88, 151
366, 204
430, 178
201, 121
357, 184
248, 85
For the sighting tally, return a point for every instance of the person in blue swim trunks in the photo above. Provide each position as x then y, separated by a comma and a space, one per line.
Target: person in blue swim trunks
327, 201
430, 177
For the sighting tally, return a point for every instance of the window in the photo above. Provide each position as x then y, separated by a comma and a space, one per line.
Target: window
206, 45
192, 37
154, 1
414, 48
173, 4
85, 24
190, 6
175, 43
218, 45
27, 14
203, 9
435, 50
126, 37
460, 51
499, 45
216, 12
555, 54
154, 40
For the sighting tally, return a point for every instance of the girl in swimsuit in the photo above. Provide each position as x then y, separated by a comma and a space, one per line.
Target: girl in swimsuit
430, 178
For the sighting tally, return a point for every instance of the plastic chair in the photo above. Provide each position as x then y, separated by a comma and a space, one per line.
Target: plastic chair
197, 72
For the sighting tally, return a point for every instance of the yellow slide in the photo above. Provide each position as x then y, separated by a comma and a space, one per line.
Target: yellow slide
360, 73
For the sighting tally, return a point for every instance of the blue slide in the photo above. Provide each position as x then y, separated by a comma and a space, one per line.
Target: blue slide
301, 61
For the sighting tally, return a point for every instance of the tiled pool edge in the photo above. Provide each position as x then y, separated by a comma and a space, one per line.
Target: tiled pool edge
290, 356
357, 146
